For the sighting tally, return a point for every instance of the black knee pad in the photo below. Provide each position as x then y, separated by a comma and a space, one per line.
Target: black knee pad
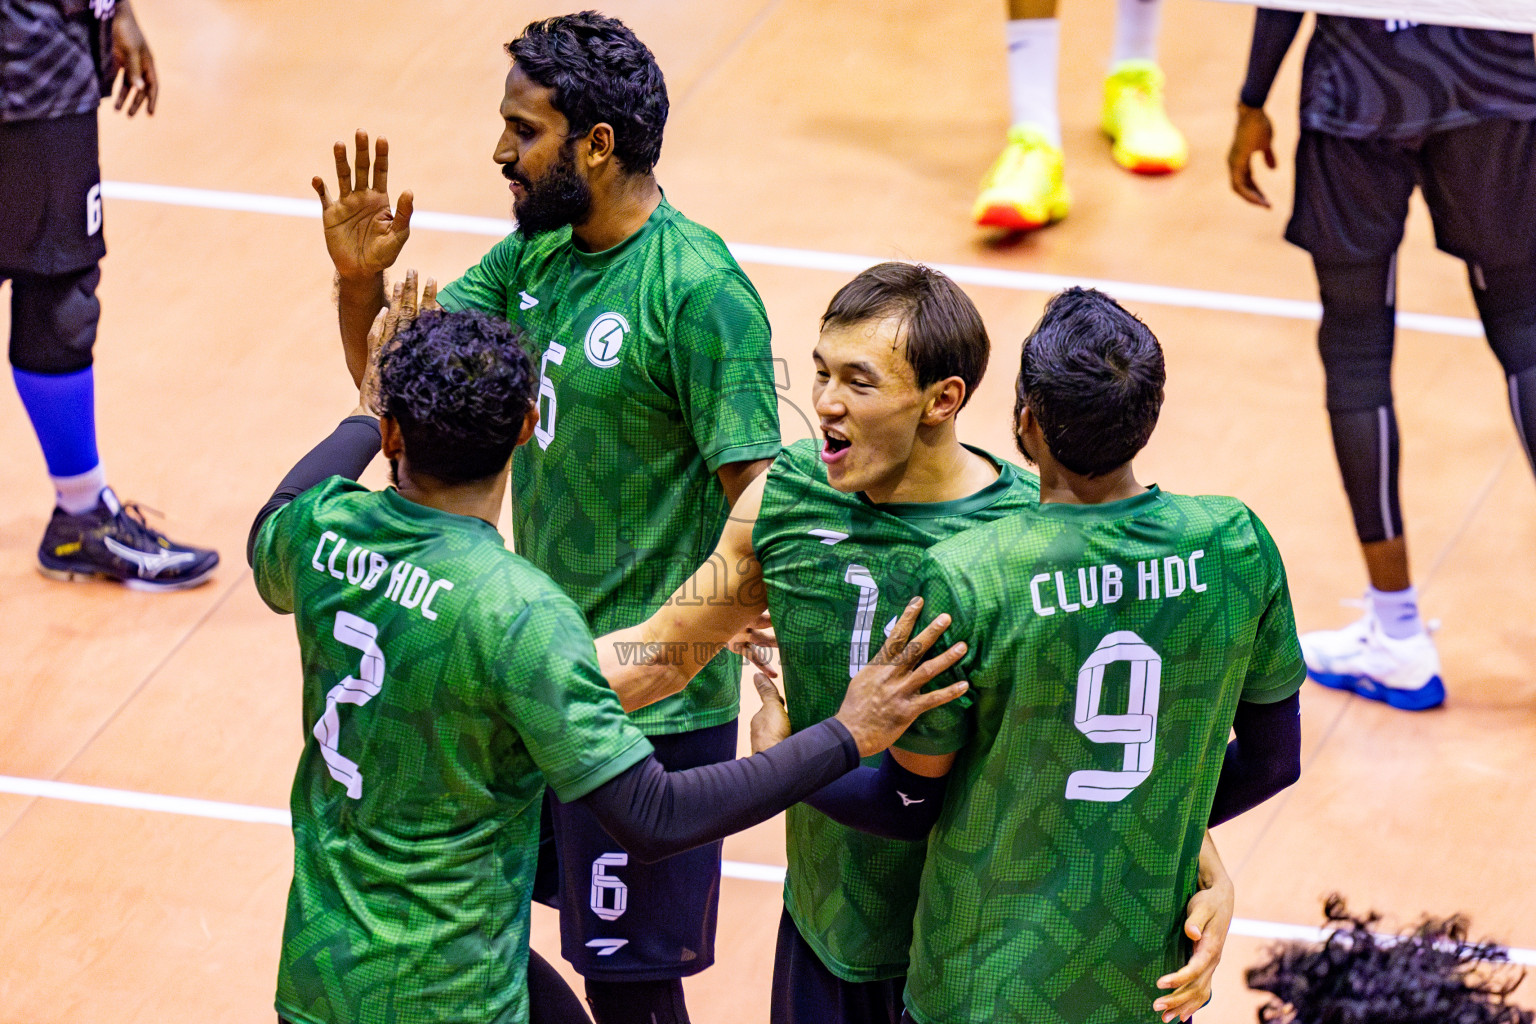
637, 1002
1355, 337
53, 321
1506, 301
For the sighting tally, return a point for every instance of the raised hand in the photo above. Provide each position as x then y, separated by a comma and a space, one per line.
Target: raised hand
884, 698
361, 234
402, 309
132, 55
1254, 134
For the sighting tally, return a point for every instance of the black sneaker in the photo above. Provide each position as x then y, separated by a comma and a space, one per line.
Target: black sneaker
112, 541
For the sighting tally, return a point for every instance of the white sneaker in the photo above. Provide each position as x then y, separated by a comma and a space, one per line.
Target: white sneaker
1403, 674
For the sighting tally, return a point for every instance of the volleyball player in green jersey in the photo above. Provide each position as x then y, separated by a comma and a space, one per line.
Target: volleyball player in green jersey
829, 541
658, 404
445, 680
1117, 635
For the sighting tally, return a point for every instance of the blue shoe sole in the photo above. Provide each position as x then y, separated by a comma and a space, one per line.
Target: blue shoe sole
1430, 695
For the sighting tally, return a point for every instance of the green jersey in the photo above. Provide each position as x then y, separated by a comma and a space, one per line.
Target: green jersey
837, 568
1108, 648
654, 371
445, 680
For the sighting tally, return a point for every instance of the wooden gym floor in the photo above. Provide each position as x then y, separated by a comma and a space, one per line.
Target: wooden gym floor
806, 128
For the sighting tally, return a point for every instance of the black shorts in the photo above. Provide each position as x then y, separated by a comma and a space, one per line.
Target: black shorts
626, 921
50, 196
1479, 183
805, 992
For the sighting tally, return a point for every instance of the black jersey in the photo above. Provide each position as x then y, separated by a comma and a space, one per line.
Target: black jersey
1371, 79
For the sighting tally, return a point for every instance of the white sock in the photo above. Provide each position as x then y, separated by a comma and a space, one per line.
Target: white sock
1034, 45
1397, 611
79, 494
1136, 27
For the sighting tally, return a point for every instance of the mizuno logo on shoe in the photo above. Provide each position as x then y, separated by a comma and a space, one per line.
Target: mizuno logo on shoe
907, 801
151, 563
526, 301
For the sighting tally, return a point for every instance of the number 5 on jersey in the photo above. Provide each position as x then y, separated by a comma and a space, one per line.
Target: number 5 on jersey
360, 689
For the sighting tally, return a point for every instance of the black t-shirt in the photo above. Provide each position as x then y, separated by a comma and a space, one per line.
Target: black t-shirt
1366, 78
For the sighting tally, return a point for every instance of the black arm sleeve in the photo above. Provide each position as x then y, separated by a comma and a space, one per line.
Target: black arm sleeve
1263, 759
1272, 35
347, 452
654, 813
887, 801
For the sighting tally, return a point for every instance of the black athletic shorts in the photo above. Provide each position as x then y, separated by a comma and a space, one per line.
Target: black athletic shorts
805, 992
627, 921
50, 196
1479, 183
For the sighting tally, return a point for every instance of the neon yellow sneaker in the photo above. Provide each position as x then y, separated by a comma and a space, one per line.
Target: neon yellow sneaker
1145, 141
1026, 187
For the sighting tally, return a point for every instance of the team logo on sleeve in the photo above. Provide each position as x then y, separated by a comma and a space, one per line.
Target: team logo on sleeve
604, 339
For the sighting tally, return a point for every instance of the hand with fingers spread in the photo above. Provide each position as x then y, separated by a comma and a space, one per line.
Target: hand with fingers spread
131, 54
1254, 134
885, 697
361, 234
402, 309
770, 725
1208, 916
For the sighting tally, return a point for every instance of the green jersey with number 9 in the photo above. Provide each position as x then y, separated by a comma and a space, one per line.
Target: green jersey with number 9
445, 680
1109, 646
654, 371
838, 569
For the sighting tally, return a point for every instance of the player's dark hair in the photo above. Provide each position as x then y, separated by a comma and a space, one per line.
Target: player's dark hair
1431, 975
459, 385
600, 74
938, 322
1093, 376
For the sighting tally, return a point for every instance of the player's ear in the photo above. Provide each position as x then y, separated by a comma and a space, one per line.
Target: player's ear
530, 421
391, 441
944, 401
597, 148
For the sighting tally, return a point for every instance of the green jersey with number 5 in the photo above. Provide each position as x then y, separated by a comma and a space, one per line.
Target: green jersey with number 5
838, 570
1109, 646
445, 681
654, 371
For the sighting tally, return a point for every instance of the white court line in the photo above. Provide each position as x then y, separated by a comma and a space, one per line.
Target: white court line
133, 800
810, 259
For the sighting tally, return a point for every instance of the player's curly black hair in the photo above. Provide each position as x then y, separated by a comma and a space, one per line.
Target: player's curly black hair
459, 385
600, 74
1431, 975
1093, 375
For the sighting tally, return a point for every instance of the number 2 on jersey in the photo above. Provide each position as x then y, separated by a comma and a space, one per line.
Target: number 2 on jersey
360, 689
545, 431
1136, 729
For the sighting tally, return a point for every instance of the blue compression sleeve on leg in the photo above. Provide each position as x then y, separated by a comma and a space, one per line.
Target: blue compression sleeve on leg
63, 412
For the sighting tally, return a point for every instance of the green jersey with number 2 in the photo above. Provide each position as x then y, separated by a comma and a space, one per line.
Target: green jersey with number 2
1108, 648
838, 571
654, 371
445, 680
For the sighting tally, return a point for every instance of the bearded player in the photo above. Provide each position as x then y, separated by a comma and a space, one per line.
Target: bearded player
1116, 636
446, 680
830, 540
657, 406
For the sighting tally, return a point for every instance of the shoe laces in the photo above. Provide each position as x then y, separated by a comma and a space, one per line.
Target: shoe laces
132, 524
1431, 626
1142, 85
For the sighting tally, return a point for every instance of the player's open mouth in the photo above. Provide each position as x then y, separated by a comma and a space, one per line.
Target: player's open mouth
835, 446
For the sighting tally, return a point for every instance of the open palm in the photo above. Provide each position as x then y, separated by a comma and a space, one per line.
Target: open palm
361, 233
